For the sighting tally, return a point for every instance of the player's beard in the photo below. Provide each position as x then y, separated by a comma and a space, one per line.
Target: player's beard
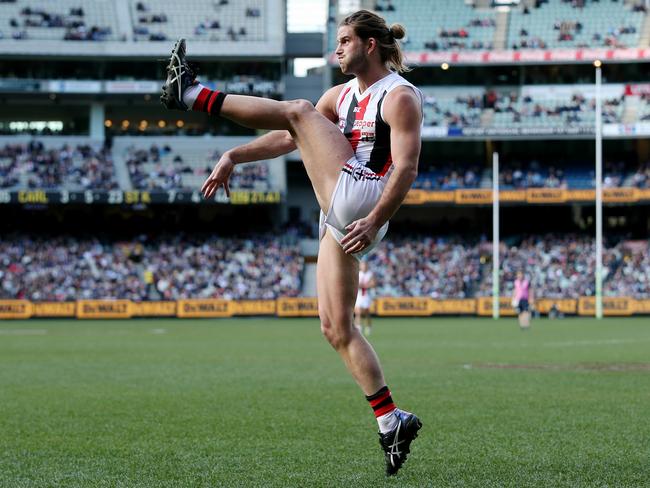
354, 62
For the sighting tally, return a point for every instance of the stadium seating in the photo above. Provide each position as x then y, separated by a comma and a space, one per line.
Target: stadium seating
63, 19
644, 108
64, 268
456, 25
453, 107
561, 266
207, 20
562, 24
641, 177
267, 267
530, 174
159, 20
439, 25
527, 106
156, 165
437, 268
56, 165
564, 267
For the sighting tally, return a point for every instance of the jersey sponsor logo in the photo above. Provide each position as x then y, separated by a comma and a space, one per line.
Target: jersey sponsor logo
364, 124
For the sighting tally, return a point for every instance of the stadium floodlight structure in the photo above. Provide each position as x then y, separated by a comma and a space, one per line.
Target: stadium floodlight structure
599, 192
496, 265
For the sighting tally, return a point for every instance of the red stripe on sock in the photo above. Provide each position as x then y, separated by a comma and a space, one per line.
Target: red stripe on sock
380, 399
212, 99
385, 409
200, 100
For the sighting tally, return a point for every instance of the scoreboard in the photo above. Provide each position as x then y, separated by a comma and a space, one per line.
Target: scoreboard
134, 197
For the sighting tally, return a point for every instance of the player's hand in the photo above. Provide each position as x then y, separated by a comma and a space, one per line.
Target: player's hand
360, 235
219, 177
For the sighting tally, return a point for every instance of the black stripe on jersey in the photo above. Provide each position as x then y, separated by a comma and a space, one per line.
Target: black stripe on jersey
352, 115
381, 149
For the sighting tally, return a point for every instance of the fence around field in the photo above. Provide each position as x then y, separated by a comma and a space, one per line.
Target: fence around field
305, 307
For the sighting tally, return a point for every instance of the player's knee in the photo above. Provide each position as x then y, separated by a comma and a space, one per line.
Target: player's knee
299, 108
337, 332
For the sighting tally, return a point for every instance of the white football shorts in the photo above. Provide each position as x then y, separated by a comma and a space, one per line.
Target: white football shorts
357, 192
363, 301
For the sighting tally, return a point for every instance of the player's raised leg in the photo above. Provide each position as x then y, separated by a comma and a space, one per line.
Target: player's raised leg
324, 149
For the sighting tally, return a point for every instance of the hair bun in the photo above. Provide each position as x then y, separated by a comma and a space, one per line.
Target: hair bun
397, 30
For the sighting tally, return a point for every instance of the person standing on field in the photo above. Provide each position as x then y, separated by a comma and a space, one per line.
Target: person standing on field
363, 319
360, 146
522, 299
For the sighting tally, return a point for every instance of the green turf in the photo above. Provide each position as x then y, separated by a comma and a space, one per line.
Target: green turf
266, 402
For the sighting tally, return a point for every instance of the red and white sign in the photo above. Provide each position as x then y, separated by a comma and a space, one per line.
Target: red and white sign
524, 56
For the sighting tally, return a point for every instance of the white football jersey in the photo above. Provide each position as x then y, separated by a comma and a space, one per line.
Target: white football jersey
365, 278
361, 119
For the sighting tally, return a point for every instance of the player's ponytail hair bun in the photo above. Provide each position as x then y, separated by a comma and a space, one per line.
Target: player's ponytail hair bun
398, 31
368, 25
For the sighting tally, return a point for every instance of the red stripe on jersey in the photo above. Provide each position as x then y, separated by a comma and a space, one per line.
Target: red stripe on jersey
360, 111
347, 90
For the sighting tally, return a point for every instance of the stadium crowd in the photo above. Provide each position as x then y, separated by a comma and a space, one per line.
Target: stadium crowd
266, 267
158, 168
477, 111
74, 23
561, 266
437, 268
168, 267
32, 165
531, 174
559, 31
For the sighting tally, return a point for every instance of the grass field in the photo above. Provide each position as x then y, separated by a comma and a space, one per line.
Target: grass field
266, 402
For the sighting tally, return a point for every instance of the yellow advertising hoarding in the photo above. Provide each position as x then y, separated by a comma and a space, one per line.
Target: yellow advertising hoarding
297, 307
564, 305
642, 306
484, 306
307, 307
254, 307
512, 195
623, 195
461, 306
54, 309
482, 196
205, 308
154, 309
15, 309
612, 306
104, 309
416, 306
581, 195
414, 197
439, 197
545, 195
473, 197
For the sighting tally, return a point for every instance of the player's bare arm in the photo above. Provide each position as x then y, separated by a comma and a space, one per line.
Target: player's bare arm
403, 114
270, 145
327, 103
